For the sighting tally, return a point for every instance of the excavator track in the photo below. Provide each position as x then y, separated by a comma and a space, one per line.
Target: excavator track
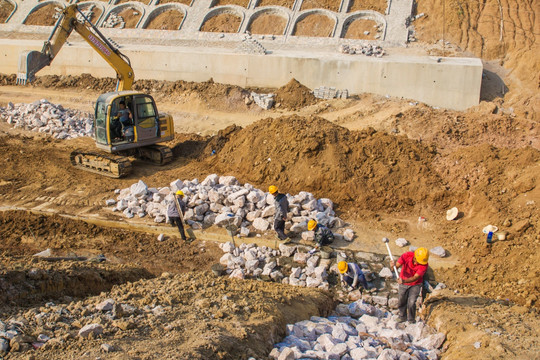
103, 164
157, 154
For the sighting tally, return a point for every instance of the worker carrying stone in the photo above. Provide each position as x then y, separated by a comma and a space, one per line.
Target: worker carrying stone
351, 276
282, 208
323, 235
175, 212
413, 267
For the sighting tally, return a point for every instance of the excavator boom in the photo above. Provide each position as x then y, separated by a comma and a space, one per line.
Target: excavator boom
30, 62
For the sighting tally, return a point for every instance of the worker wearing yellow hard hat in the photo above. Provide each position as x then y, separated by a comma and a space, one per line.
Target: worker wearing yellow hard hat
413, 267
175, 212
281, 205
323, 235
351, 276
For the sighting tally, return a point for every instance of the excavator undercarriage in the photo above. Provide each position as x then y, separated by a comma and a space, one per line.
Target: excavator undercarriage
117, 166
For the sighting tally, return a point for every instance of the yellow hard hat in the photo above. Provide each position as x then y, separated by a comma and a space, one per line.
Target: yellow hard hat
180, 192
342, 267
311, 225
421, 255
272, 189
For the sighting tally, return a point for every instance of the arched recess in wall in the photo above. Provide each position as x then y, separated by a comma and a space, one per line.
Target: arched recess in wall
364, 25
166, 17
282, 3
242, 3
362, 5
118, 2
44, 14
7, 9
315, 23
92, 10
184, 2
124, 16
226, 19
269, 21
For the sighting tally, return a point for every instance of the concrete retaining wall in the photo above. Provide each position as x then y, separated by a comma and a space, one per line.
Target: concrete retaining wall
452, 83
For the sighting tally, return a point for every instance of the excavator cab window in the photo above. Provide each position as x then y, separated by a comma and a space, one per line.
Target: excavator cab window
100, 122
146, 111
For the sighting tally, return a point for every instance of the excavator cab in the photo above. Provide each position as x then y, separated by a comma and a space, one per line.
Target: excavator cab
118, 132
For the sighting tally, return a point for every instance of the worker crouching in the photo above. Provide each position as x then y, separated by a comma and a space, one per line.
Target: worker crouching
323, 235
351, 276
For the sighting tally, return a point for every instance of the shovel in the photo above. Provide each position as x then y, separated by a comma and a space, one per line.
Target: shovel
187, 227
385, 240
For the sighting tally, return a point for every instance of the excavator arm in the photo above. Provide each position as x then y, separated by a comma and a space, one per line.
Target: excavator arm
30, 62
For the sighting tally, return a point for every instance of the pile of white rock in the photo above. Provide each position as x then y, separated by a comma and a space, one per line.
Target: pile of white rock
222, 201
113, 20
362, 49
265, 101
249, 260
44, 117
358, 331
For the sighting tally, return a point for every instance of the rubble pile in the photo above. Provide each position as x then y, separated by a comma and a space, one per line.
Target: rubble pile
324, 92
358, 331
44, 117
251, 261
87, 13
114, 20
265, 101
362, 49
222, 201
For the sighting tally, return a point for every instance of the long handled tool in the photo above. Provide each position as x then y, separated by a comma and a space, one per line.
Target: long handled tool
187, 227
385, 240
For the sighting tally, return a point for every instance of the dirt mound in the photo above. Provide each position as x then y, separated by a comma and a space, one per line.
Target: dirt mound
27, 233
501, 329
294, 95
190, 316
25, 281
365, 169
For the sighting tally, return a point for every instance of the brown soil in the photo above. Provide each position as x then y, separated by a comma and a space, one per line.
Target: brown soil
27, 280
185, 2
27, 234
96, 13
294, 95
332, 5
167, 20
285, 3
146, 2
355, 30
42, 16
476, 27
316, 25
268, 24
504, 330
203, 317
130, 19
375, 5
6, 8
225, 22
242, 3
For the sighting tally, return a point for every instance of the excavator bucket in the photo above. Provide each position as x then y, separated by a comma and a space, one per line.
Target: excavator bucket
30, 62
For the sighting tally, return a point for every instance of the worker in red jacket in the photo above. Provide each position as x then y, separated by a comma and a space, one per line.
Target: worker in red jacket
413, 267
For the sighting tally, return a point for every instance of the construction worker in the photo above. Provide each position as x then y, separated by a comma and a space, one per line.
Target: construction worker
413, 267
323, 235
173, 212
282, 208
351, 275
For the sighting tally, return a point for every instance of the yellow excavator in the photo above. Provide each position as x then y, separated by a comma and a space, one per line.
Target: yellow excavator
126, 122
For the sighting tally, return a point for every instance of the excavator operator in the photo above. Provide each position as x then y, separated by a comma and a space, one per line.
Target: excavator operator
123, 123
